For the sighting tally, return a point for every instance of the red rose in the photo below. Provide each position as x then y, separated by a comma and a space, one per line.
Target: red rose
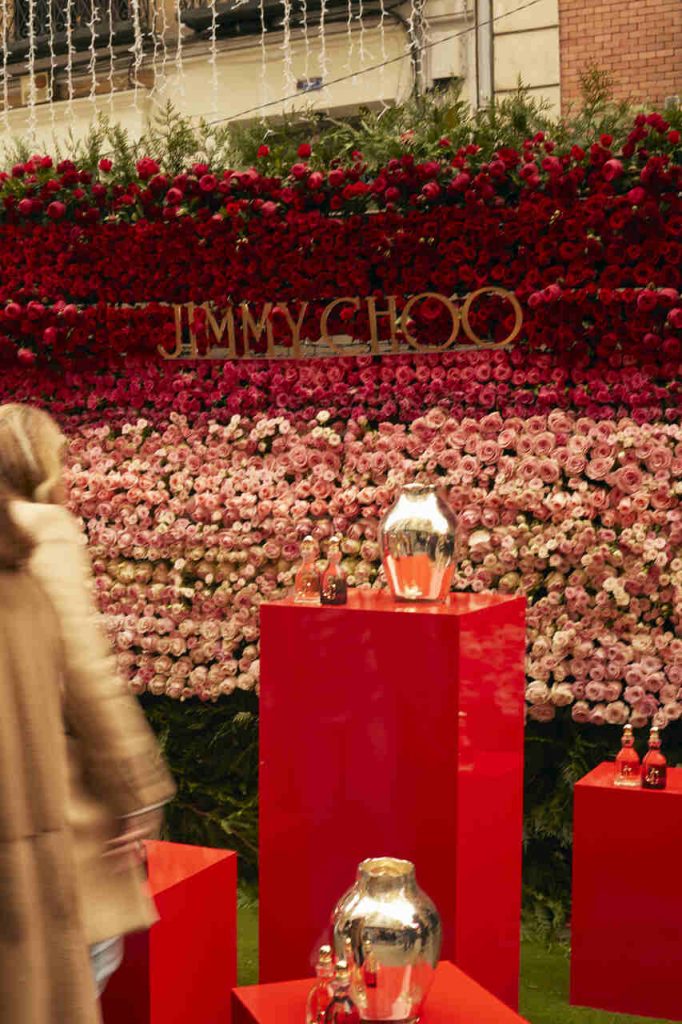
263, 151
304, 151
636, 195
13, 311
269, 208
299, 171
26, 357
612, 169
25, 207
56, 210
674, 136
316, 180
431, 190
18, 171
208, 183
336, 178
105, 165
174, 196
674, 318
146, 168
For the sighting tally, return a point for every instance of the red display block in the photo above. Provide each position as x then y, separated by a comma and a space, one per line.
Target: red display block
626, 930
185, 967
393, 729
453, 999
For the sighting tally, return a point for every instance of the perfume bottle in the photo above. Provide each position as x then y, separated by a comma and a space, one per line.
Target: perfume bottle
334, 589
320, 995
654, 765
627, 761
342, 1009
307, 582
370, 966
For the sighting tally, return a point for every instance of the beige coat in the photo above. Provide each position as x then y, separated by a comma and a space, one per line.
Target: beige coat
75, 755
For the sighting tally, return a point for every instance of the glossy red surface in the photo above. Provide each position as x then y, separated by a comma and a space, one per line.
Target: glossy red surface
392, 729
453, 999
626, 930
185, 967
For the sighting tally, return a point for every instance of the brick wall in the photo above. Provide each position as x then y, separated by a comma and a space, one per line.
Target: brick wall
639, 42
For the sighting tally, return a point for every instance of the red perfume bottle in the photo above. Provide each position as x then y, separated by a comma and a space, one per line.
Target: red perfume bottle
627, 761
370, 966
320, 995
654, 765
342, 1009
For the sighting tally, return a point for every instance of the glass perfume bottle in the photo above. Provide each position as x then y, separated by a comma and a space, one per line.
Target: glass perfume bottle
627, 761
654, 765
334, 589
342, 1009
307, 582
320, 995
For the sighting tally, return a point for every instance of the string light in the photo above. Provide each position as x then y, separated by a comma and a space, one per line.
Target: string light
375, 67
31, 63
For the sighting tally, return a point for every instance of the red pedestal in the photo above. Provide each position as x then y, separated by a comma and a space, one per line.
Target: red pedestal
453, 999
626, 931
185, 967
392, 729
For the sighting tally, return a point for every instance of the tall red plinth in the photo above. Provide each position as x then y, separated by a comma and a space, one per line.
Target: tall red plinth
454, 999
391, 729
626, 922
185, 967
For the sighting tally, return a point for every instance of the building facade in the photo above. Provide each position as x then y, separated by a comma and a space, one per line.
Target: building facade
64, 62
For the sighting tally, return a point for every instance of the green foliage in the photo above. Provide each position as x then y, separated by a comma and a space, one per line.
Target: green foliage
212, 750
416, 126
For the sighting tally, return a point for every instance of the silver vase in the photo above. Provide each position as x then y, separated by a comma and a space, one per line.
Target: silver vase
391, 932
417, 539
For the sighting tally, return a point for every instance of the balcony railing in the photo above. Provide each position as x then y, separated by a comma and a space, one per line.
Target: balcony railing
237, 17
53, 22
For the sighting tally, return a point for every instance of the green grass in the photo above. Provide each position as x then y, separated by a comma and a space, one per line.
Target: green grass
544, 989
544, 975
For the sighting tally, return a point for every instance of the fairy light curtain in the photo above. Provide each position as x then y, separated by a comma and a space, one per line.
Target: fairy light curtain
66, 50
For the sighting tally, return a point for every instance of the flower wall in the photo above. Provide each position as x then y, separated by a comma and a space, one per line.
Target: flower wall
197, 481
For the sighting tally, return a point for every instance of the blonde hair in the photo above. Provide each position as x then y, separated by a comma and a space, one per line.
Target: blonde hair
31, 446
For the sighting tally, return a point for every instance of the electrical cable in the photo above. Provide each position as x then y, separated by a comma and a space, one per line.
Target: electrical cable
375, 67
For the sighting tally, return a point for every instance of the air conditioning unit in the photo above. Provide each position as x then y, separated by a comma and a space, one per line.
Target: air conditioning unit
41, 86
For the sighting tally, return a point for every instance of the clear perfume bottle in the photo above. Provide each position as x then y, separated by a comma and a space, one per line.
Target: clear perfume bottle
654, 765
627, 761
334, 589
342, 1009
307, 582
320, 995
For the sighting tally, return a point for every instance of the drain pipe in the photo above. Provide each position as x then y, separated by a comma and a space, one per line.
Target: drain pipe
485, 87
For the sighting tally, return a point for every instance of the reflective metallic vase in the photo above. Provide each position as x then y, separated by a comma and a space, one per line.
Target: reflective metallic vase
417, 539
391, 933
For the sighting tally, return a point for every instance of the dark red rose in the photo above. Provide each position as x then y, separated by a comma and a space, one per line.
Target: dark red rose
56, 210
304, 151
105, 164
263, 151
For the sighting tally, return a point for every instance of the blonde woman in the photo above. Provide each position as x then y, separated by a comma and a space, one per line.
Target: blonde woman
81, 777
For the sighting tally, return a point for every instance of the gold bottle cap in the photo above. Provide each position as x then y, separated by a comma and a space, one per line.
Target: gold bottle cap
325, 955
